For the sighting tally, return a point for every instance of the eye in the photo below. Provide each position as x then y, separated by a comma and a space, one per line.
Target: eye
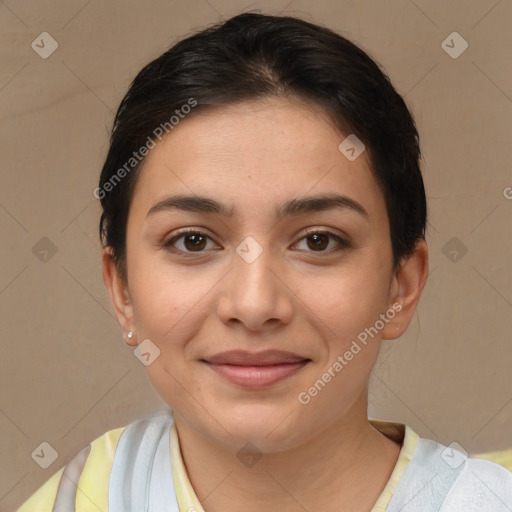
193, 241
318, 241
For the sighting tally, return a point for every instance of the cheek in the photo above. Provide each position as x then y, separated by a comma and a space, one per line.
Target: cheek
171, 303
346, 300
345, 305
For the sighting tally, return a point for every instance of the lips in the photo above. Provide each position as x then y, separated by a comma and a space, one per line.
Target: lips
265, 358
256, 370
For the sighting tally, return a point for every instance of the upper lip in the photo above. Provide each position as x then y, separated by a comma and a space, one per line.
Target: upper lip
264, 358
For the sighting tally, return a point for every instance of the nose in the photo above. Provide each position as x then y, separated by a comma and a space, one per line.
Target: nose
255, 292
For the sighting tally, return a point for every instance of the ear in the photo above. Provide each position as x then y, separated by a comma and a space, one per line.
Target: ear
406, 287
119, 295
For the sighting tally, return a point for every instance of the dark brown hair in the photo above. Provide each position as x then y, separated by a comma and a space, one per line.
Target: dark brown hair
252, 56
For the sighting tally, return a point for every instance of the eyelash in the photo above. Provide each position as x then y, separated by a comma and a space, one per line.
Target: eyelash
168, 245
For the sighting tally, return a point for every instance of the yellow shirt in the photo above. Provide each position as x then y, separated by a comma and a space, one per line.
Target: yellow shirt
92, 497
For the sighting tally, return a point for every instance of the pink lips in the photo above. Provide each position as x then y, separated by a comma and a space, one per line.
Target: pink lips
256, 370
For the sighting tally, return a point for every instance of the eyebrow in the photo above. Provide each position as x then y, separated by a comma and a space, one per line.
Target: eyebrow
294, 207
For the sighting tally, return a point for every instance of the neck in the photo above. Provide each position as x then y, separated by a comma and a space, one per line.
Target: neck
347, 465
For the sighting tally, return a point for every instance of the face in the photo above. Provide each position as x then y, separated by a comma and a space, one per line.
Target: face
263, 268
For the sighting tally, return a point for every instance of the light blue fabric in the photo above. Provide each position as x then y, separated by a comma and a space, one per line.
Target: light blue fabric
437, 480
141, 477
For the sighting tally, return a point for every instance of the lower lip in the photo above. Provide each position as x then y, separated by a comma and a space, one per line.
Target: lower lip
257, 376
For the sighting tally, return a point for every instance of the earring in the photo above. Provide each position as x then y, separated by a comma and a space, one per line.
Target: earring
129, 335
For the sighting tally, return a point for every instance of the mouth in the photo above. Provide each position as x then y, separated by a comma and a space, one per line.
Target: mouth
256, 370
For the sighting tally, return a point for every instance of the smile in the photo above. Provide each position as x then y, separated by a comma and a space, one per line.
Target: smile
257, 376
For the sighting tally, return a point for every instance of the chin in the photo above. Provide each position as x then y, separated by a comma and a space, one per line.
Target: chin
270, 429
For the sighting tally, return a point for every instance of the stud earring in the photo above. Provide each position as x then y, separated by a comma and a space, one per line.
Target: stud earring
129, 335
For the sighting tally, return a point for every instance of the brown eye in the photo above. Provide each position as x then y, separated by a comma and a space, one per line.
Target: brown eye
194, 241
190, 241
318, 241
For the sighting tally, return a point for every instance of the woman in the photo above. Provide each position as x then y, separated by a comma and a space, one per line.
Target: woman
264, 229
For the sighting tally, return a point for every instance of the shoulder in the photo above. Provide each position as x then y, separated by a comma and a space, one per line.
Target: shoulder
501, 457
480, 485
43, 499
84, 478
442, 478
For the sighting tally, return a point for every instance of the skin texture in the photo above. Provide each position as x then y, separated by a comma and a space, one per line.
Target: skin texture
254, 156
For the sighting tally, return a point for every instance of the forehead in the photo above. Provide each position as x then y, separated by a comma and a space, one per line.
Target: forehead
254, 153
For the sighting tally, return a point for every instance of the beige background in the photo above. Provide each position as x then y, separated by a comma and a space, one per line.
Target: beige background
66, 376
